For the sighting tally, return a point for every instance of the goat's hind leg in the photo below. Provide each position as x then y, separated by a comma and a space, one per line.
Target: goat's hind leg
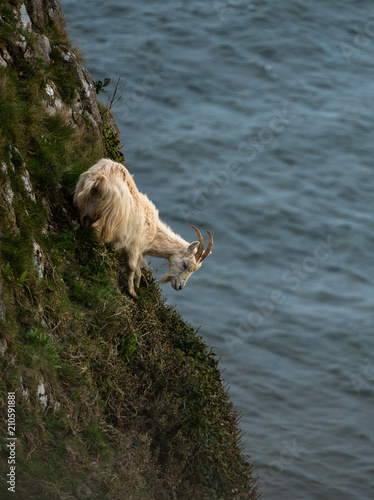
131, 269
138, 270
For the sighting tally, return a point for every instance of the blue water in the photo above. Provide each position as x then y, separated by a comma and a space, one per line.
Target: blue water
254, 119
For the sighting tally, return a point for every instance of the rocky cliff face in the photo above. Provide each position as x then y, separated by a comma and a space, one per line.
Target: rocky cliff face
31, 44
114, 397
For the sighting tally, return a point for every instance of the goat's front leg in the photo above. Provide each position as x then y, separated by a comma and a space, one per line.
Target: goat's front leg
130, 283
134, 274
138, 275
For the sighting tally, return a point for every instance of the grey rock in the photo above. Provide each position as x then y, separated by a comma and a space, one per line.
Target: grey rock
21, 43
25, 176
37, 14
8, 195
52, 98
25, 21
42, 394
86, 103
38, 259
5, 56
56, 15
42, 48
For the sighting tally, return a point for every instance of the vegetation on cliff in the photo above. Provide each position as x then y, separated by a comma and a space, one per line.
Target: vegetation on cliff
116, 398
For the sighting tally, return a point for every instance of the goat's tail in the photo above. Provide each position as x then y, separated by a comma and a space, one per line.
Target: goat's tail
104, 202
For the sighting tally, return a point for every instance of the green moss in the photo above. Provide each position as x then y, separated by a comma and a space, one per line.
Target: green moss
112, 144
62, 75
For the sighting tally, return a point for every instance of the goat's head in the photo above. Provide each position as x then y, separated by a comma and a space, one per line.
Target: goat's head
187, 261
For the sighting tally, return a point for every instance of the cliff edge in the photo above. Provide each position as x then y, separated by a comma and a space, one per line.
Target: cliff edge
102, 396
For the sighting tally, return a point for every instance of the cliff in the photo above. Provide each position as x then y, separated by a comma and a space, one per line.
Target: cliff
114, 397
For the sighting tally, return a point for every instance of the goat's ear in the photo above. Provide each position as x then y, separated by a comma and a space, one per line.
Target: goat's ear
192, 247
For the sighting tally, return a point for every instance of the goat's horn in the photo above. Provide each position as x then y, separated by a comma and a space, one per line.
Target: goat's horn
209, 247
201, 245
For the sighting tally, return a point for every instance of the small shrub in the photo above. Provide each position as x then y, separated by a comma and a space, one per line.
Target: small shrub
100, 86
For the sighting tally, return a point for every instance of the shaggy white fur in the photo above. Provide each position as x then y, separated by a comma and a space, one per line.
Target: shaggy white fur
109, 201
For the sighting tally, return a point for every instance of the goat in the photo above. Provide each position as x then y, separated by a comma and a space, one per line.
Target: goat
109, 201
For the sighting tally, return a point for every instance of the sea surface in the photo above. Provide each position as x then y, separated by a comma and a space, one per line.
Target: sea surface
254, 120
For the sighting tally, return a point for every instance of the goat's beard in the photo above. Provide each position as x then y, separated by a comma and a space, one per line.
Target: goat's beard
165, 279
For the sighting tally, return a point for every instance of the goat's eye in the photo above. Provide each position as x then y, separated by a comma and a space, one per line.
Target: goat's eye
185, 266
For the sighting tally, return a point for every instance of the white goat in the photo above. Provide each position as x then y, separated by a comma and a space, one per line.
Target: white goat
109, 201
